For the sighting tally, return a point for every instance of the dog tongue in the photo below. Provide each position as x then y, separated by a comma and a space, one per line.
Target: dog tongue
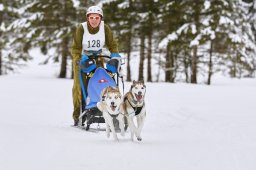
139, 97
113, 108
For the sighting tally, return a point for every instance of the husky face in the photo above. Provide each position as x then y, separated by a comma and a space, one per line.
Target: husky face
138, 90
113, 99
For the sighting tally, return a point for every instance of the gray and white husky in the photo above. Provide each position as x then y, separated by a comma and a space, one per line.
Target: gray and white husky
134, 108
110, 106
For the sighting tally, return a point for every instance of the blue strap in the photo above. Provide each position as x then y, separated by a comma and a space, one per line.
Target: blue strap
82, 85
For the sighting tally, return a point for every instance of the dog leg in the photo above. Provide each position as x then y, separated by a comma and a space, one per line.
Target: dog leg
107, 130
112, 128
109, 123
121, 123
132, 135
140, 120
132, 127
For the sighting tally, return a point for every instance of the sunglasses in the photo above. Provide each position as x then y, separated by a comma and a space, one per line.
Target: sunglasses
97, 18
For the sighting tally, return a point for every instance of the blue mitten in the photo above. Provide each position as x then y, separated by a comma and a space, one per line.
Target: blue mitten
84, 58
87, 65
114, 63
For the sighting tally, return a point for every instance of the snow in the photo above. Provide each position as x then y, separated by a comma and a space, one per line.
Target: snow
165, 41
184, 28
2, 27
245, 4
31, 33
188, 127
102, 2
209, 31
123, 5
207, 5
25, 22
76, 3
1, 7
225, 3
234, 37
225, 20
206, 21
25, 8
195, 41
193, 27
143, 15
173, 36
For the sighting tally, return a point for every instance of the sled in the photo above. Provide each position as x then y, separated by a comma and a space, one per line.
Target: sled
91, 86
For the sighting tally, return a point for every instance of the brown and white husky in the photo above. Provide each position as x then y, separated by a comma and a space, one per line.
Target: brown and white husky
110, 106
134, 108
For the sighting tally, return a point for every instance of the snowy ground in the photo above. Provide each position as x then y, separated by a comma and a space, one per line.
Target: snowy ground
188, 127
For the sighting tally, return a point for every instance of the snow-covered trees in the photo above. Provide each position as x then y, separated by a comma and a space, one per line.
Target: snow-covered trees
1, 33
215, 35
189, 40
9, 59
48, 25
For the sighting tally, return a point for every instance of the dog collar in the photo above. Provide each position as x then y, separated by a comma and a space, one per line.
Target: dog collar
113, 115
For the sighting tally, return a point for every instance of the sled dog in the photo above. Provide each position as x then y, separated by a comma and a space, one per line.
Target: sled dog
110, 106
134, 108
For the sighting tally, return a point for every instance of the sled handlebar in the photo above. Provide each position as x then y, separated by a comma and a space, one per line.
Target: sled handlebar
105, 56
100, 56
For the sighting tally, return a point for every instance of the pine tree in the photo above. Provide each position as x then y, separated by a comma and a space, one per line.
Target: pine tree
47, 25
252, 20
124, 13
1, 33
217, 28
10, 57
169, 20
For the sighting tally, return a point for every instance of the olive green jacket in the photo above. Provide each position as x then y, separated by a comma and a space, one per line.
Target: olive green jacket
76, 49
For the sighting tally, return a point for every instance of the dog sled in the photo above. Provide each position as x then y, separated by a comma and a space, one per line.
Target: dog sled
92, 84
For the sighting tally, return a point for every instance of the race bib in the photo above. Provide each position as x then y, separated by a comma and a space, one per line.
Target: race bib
93, 42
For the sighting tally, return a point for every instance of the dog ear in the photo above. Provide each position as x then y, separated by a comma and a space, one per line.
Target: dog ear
109, 88
133, 84
131, 87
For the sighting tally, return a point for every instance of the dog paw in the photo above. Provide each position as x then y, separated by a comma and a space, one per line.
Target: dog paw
139, 138
108, 135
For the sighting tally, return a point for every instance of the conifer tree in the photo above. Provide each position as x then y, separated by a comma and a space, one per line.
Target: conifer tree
10, 52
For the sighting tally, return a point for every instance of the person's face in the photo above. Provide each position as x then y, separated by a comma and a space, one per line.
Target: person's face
94, 20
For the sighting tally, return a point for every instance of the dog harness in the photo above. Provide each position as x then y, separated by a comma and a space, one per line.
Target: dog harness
114, 116
137, 110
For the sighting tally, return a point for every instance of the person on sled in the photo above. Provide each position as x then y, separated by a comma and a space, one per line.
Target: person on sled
89, 39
